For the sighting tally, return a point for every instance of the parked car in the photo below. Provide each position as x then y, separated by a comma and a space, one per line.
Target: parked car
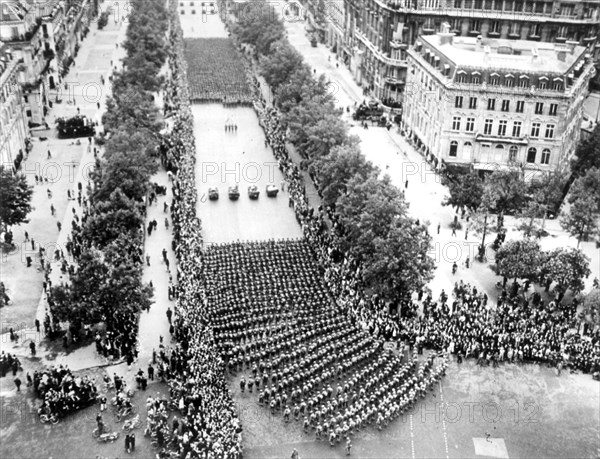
213, 194
253, 192
234, 193
272, 191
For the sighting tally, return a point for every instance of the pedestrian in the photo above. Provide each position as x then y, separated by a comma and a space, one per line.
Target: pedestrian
69, 195
49, 194
26, 236
132, 441
167, 263
18, 384
148, 260
165, 207
32, 348
49, 155
150, 372
59, 226
164, 254
406, 184
166, 223
37, 322
52, 210
103, 403
453, 230
348, 446
295, 454
438, 228
127, 444
466, 233
169, 314
283, 185
467, 262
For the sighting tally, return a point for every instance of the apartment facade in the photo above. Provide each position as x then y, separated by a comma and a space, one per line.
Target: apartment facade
495, 103
45, 34
13, 126
378, 33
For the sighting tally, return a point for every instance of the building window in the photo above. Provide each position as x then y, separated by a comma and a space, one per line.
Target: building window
487, 127
509, 82
524, 82
512, 154
553, 109
515, 28
502, 128
531, 155
461, 78
535, 129
470, 124
473, 102
494, 27
491, 104
520, 106
25, 99
505, 105
545, 156
458, 101
28, 113
456, 123
475, 79
516, 132
567, 10
549, 131
453, 149
494, 81
539, 108
557, 86
475, 26
535, 30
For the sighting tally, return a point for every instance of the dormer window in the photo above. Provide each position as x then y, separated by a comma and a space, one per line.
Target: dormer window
523, 81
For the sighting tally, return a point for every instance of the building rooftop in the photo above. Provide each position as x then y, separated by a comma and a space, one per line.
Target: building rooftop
496, 54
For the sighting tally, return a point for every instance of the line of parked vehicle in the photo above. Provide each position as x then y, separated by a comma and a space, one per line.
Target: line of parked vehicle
234, 192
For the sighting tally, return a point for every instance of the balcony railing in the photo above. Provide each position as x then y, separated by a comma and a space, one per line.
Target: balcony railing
378, 54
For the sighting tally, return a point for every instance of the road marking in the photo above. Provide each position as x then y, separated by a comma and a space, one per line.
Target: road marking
412, 437
444, 421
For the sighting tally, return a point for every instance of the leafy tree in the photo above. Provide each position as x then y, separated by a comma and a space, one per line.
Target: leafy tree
567, 267
507, 190
591, 306
117, 216
519, 259
132, 111
280, 64
15, 198
302, 86
330, 131
258, 25
481, 220
587, 154
303, 115
580, 221
335, 170
465, 192
587, 185
546, 195
98, 290
130, 173
399, 262
367, 211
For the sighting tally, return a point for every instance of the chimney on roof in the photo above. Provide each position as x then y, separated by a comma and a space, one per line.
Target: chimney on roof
572, 45
445, 36
561, 54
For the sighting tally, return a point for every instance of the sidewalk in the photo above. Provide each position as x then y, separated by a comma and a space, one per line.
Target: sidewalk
69, 165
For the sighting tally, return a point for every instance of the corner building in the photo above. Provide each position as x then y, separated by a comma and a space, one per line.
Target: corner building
378, 33
494, 103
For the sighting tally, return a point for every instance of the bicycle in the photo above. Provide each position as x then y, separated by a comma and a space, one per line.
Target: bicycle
132, 424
